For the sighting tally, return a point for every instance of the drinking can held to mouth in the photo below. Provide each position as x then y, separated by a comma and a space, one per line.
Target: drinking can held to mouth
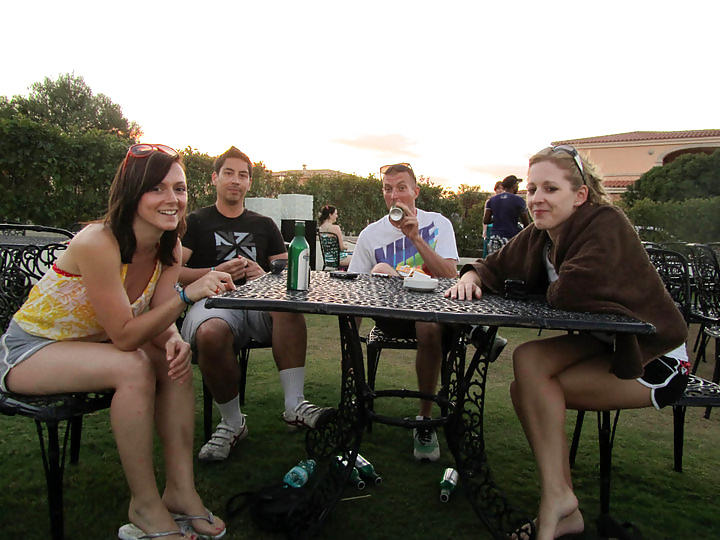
396, 213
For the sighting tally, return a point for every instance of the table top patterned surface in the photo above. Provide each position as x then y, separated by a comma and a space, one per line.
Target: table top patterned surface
376, 296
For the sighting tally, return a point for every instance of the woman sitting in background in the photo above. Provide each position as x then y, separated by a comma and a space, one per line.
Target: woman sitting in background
103, 317
583, 254
328, 217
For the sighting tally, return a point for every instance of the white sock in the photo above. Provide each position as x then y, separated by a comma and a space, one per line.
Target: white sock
293, 384
231, 413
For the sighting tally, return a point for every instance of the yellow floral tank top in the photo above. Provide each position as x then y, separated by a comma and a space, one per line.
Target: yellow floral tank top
58, 306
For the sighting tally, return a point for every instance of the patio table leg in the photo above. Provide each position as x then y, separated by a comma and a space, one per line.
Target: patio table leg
335, 445
465, 436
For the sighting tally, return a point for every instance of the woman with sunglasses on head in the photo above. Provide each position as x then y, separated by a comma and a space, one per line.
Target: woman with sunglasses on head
103, 317
583, 254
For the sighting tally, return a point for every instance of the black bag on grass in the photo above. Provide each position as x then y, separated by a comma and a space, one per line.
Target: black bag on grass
277, 508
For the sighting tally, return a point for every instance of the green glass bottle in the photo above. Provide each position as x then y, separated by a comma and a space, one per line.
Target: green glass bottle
448, 483
298, 271
367, 471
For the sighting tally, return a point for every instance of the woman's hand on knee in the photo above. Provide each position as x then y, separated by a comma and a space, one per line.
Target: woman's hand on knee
179, 357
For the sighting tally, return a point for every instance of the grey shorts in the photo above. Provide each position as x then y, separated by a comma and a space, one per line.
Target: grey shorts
17, 345
245, 325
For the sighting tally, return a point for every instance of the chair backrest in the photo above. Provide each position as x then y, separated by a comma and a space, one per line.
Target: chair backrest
20, 268
715, 246
330, 247
706, 277
674, 271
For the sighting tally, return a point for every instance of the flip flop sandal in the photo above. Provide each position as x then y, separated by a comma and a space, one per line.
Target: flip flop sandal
525, 532
132, 532
185, 523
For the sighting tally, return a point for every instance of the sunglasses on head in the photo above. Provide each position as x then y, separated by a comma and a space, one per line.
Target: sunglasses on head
385, 168
576, 158
143, 150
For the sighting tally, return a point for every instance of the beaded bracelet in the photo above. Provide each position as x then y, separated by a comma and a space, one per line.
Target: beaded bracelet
184, 297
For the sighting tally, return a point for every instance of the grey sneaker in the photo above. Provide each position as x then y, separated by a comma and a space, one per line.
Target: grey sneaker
478, 337
222, 441
307, 415
497, 347
427, 446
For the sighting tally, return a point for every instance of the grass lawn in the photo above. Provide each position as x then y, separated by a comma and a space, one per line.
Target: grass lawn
645, 490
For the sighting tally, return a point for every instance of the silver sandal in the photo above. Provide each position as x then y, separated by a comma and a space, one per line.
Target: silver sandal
130, 531
185, 523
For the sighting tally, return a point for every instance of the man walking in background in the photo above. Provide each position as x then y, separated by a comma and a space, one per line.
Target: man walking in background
505, 211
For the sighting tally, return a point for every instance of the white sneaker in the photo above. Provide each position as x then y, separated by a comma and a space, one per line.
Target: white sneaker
222, 441
426, 445
307, 415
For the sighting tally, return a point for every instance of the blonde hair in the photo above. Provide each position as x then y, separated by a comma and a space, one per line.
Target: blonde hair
565, 161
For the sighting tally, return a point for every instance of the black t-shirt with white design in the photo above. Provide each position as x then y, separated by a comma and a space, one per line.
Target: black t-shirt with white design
214, 238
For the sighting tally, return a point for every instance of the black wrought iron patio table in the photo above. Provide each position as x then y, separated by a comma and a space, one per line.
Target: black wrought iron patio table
462, 393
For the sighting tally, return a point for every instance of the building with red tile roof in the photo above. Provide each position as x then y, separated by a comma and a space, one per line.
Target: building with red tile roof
622, 158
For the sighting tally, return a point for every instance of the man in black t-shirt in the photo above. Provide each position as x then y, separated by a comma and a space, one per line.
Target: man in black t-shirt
230, 238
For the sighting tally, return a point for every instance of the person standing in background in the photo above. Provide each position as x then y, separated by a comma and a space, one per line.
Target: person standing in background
505, 211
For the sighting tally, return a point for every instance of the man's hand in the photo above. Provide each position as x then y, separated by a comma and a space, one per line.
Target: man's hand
241, 268
408, 224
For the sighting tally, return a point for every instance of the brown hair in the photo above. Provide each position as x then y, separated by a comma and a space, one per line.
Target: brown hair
134, 178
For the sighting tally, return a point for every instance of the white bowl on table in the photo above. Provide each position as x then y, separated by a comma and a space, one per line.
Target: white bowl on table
420, 282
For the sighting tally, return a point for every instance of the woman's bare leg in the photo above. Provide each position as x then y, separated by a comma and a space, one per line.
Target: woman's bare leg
83, 367
540, 404
550, 376
175, 424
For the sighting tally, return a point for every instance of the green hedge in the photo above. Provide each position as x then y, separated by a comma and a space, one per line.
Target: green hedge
692, 220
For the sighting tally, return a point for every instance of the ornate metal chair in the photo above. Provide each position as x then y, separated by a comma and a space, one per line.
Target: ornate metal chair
675, 274
330, 247
243, 359
20, 267
705, 305
375, 342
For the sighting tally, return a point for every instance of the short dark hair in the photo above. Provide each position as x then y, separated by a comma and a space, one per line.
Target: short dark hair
510, 181
400, 168
231, 152
133, 179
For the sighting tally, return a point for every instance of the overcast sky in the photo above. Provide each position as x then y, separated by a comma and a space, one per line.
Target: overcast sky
464, 91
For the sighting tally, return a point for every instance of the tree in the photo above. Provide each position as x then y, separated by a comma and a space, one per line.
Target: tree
59, 151
198, 170
691, 176
68, 103
51, 178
